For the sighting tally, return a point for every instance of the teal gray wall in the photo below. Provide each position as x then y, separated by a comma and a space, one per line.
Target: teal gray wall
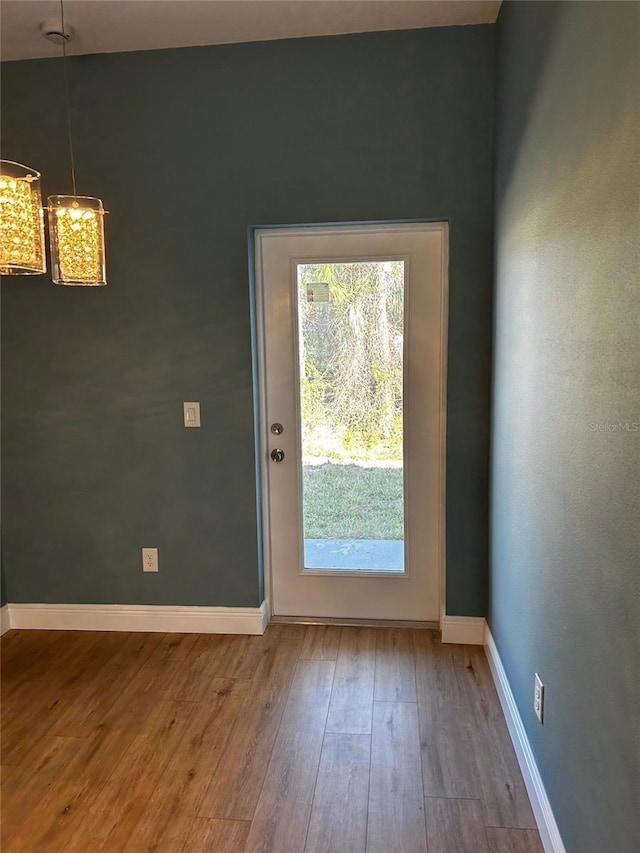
188, 148
565, 552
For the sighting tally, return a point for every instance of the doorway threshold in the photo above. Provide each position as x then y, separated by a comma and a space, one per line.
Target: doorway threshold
354, 623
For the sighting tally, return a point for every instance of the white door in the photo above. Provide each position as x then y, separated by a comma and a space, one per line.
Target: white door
351, 344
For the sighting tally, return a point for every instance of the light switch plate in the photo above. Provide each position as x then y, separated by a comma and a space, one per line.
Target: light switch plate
191, 414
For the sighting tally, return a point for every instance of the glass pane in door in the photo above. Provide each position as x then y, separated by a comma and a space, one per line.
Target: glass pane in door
351, 333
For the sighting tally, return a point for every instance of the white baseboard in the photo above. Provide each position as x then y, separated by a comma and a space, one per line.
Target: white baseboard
468, 630
5, 619
139, 617
547, 826
265, 611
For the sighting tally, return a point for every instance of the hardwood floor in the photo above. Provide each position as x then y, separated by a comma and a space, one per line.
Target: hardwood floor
310, 739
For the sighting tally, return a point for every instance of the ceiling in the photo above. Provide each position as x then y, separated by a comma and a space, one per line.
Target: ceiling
111, 26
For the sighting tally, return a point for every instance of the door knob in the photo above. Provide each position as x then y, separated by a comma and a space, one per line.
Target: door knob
277, 454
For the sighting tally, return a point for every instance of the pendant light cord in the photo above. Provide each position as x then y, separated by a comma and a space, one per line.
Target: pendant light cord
67, 99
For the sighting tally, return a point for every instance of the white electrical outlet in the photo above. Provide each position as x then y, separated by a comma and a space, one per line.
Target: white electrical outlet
538, 697
149, 559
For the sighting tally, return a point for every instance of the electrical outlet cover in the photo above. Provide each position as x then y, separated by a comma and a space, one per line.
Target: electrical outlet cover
149, 559
538, 697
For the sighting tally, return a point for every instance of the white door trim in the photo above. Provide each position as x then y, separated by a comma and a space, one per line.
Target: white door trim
258, 235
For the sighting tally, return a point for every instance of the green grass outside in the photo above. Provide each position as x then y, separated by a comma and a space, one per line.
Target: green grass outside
350, 502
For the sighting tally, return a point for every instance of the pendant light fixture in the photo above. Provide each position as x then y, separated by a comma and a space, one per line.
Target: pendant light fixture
76, 223
21, 221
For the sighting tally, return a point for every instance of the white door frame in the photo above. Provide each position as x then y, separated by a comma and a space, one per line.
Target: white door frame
256, 236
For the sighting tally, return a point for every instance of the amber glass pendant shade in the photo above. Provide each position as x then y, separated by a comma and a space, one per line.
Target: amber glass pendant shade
76, 233
21, 221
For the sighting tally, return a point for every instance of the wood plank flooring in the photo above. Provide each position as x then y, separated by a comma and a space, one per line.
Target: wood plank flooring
310, 739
